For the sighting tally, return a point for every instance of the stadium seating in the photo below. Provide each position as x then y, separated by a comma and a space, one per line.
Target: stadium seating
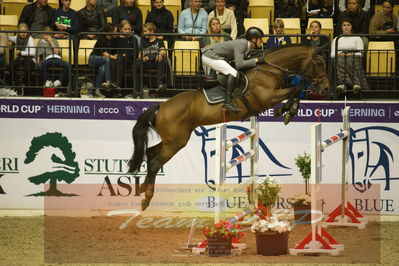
381, 59
78, 5
262, 23
8, 22
261, 9
13, 7
292, 26
186, 58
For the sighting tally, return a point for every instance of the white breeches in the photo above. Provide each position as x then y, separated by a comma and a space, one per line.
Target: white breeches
219, 66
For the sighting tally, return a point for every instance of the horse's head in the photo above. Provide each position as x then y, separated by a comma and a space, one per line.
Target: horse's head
315, 70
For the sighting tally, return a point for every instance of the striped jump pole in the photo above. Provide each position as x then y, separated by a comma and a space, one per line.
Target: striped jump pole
222, 166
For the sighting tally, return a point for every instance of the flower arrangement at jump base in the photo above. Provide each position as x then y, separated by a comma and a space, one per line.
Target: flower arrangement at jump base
271, 234
220, 236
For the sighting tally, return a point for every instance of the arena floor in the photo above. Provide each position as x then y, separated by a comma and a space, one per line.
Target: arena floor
36, 240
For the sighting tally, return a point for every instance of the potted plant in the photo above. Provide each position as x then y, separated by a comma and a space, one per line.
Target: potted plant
271, 234
267, 190
219, 237
301, 202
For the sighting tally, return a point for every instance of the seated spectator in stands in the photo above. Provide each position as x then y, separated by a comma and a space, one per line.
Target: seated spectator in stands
25, 53
364, 4
384, 22
226, 17
65, 19
274, 42
193, 20
240, 11
214, 27
153, 55
320, 8
127, 49
208, 5
349, 63
91, 19
101, 58
36, 15
359, 18
49, 55
289, 8
163, 20
108, 6
314, 41
128, 10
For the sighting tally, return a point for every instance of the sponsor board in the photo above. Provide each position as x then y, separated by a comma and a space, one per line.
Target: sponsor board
51, 148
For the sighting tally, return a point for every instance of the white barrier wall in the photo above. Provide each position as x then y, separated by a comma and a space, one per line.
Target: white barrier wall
89, 143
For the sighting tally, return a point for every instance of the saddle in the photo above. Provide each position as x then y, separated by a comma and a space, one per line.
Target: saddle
214, 88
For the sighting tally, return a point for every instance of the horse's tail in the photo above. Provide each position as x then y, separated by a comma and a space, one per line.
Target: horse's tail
140, 139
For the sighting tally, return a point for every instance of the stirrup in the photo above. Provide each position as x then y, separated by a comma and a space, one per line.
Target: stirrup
231, 107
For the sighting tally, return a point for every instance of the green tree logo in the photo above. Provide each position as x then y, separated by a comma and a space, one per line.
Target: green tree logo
61, 159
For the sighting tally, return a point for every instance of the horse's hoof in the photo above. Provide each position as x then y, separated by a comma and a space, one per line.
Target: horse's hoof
144, 204
287, 119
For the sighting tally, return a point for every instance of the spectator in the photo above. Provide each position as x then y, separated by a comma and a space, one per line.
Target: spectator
240, 11
214, 27
108, 6
36, 15
208, 5
274, 42
193, 20
349, 63
153, 55
360, 19
65, 19
25, 53
92, 19
127, 48
128, 10
102, 56
49, 55
290, 8
365, 4
314, 41
385, 22
163, 20
320, 8
226, 17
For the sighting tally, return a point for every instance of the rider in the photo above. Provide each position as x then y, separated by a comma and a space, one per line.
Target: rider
215, 57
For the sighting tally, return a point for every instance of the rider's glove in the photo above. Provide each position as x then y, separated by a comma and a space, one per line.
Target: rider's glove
261, 60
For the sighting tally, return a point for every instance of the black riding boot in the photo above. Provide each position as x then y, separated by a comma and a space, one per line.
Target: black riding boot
228, 103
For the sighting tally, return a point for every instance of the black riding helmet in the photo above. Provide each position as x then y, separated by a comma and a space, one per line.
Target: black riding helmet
253, 32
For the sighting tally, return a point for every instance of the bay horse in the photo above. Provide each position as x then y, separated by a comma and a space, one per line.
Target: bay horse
175, 119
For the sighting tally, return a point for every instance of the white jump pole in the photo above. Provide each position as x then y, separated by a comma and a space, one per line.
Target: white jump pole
315, 242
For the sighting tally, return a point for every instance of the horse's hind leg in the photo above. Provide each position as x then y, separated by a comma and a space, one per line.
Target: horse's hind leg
167, 152
151, 153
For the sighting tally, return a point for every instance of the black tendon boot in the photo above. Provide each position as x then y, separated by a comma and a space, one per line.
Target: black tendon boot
228, 104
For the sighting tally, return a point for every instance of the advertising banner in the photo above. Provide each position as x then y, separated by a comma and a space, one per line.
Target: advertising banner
76, 151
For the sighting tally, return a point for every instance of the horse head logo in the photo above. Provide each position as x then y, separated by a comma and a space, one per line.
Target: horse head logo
240, 172
373, 156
